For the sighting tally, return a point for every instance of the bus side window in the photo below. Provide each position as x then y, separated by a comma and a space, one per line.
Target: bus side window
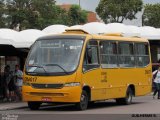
142, 54
91, 59
108, 54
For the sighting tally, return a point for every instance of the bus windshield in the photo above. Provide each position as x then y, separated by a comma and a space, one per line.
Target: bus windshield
54, 56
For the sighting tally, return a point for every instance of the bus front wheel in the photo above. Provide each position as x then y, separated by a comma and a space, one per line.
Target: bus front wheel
127, 100
34, 105
83, 104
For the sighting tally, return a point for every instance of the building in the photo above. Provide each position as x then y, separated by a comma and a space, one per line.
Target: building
91, 16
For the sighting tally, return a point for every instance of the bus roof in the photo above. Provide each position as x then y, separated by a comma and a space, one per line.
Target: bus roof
108, 36
81, 34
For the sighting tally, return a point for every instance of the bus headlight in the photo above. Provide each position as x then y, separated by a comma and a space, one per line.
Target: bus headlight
26, 84
72, 84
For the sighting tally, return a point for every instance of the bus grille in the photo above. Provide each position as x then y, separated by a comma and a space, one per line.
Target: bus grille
46, 94
47, 86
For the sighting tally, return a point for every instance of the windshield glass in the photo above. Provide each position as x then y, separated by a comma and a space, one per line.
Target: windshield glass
54, 56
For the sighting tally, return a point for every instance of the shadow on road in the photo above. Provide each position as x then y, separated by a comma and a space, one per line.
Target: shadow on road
71, 107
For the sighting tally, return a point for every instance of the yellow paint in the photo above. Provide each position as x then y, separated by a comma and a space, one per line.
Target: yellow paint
104, 83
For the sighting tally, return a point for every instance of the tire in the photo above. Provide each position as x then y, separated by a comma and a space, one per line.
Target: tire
127, 100
34, 105
83, 104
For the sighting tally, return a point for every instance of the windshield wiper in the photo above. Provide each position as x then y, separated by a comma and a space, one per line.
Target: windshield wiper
58, 66
38, 67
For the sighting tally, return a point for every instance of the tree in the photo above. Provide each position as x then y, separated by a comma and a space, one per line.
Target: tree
151, 16
62, 16
38, 14
31, 13
77, 15
44, 13
2, 16
16, 10
118, 10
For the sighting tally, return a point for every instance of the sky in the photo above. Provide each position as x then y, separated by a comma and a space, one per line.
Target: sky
92, 4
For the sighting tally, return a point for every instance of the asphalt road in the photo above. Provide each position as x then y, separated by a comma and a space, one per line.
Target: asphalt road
144, 107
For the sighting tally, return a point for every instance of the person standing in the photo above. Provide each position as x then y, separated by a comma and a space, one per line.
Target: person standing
19, 82
12, 88
6, 79
156, 78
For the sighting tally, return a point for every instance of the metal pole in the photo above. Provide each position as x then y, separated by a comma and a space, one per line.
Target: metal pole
79, 3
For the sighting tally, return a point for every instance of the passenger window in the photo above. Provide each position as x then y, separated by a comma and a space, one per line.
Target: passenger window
126, 55
91, 59
108, 53
142, 54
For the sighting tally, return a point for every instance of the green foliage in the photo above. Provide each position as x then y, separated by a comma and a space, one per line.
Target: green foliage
118, 10
30, 13
2, 17
77, 15
151, 16
62, 16
37, 14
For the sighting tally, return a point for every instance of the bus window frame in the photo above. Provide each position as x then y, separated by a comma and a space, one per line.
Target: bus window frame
98, 56
149, 54
83, 38
118, 54
113, 41
133, 49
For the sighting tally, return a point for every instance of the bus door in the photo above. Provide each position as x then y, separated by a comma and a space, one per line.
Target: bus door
109, 65
91, 69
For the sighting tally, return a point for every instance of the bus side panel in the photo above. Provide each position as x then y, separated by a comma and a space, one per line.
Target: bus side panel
92, 79
118, 81
115, 86
144, 85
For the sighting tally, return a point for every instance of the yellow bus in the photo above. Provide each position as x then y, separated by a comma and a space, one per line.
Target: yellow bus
80, 68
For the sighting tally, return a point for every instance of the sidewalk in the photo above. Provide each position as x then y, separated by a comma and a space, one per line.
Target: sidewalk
12, 105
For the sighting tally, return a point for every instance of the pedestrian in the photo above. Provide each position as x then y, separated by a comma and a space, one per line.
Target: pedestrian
156, 82
18, 82
6, 79
12, 88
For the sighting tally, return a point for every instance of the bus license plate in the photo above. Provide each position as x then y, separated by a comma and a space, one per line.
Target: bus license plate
46, 99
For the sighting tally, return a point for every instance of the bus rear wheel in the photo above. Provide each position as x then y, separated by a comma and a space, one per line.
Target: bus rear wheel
83, 104
34, 105
128, 99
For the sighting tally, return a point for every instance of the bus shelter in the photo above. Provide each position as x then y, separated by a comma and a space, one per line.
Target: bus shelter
14, 48
10, 55
155, 52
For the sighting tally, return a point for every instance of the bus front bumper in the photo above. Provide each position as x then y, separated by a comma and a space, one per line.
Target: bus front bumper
65, 94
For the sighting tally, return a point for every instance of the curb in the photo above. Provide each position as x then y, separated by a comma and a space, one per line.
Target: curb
12, 108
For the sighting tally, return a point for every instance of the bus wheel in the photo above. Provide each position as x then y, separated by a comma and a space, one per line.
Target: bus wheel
127, 100
83, 104
34, 105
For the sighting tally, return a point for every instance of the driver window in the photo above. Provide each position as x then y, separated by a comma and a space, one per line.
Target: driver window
91, 59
